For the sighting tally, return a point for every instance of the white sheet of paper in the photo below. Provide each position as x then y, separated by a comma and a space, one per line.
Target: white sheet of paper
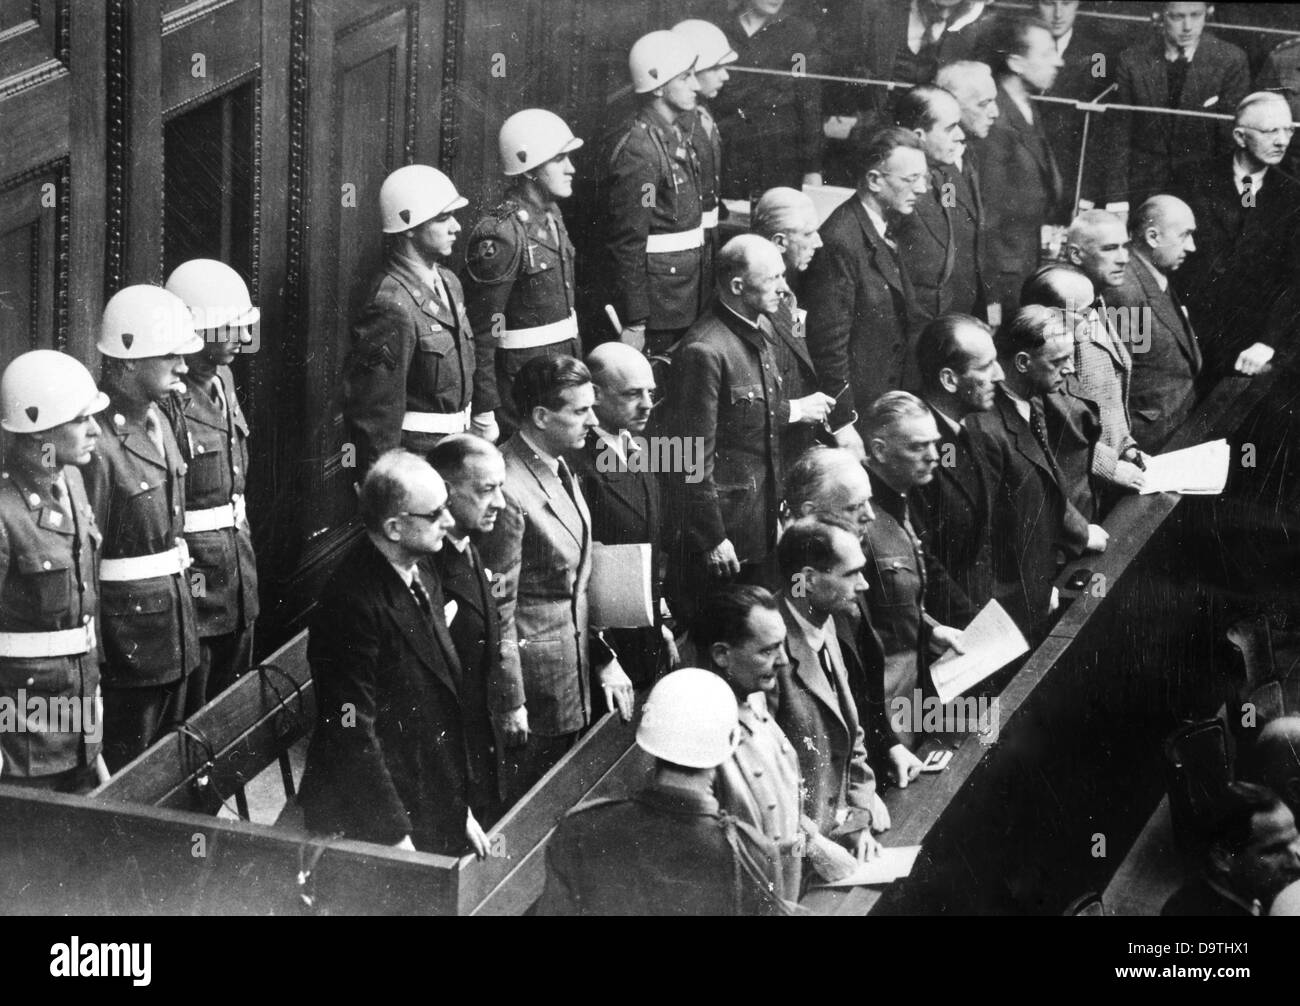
1201, 470
890, 865
991, 641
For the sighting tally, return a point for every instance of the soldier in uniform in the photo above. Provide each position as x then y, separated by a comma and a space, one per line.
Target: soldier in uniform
213, 436
669, 850
409, 376
136, 485
48, 547
654, 231
519, 279
700, 128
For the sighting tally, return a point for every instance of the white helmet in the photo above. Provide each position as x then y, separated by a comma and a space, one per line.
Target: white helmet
657, 58
144, 321
215, 294
532, 137
690, 719
414, 194
708, 40
43, 389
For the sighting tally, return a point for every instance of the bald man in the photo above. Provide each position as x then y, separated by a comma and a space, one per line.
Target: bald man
1162, 389
788, 219
1248, 233
622, 491
1274, 760
726, 390
1097, 243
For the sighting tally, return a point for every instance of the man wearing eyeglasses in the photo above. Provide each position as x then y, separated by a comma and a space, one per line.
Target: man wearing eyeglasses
388, 761
1247, 248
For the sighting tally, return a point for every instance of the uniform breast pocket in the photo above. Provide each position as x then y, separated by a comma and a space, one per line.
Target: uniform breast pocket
899, 583
748, 407
208, 470
50, 580
438, 341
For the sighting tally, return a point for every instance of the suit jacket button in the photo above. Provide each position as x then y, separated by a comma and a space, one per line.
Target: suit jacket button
31, 681
144, 485
46, 564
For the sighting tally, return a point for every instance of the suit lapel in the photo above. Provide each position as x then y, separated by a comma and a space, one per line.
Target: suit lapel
882, 256
416, 631
807, 665
1022, 437
574, 517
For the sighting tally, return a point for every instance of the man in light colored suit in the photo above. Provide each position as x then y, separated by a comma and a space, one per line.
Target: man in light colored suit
821, 568
540, 551
1162, 392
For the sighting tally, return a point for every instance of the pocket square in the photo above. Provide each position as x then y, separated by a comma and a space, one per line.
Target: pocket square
449, 611
1211, 101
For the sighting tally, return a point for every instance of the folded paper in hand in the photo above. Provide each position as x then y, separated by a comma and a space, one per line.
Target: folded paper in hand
890, 865
619, 595
1201, 470
991, 641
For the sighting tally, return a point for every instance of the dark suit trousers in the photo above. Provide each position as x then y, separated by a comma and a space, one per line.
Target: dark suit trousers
136, 717
223, 659
522, 767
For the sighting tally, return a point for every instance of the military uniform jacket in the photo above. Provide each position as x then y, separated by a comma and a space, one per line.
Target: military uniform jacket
665, 851
518, 274
727, 388
410, 353
214, 443
664, 290
47, 583
148, 630
702, 134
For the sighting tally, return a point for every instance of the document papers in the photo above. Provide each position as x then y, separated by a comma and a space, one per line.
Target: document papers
1201, 470
890, 865
619, 594
991, 641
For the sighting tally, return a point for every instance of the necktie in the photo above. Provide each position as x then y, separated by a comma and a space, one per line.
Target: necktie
1247, 185
1178, 77
60, 495
421, 596
566, 480
828, 666
1038, 423
154, 430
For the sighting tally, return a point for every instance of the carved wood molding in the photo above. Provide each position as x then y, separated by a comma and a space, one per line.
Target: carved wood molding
116, 147
296, 195
183, 17
452, 43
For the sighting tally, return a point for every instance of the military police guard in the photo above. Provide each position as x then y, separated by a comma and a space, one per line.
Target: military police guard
519, 278
655, 231
49, 547
408, 378
136, 485
213, 436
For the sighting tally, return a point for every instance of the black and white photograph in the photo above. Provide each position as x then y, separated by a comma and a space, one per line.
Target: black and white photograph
650, 458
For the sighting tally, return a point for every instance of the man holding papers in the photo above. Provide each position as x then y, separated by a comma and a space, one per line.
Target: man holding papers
901, 435
623, 498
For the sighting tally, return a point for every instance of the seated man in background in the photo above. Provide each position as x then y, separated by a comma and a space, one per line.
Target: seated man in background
1252, 852
388, 760
669, 849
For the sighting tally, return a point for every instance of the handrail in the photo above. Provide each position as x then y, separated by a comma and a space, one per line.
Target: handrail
1151, 19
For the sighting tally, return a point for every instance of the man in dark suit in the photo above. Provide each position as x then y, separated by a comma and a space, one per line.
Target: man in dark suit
959, 376
788, 219
862, 307
943, 241
1253, 852
726, 395
475, 474
1162, 391
1020, 181
1182, 66
389, 761
1032, 515
622, 494
1089, 51
540, 549
1248, 233
821, 567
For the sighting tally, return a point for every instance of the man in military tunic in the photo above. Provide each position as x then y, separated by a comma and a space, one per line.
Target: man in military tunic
701, 130
136, 485
519, 277
409, 376
213, 436
49, 545
654, 228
